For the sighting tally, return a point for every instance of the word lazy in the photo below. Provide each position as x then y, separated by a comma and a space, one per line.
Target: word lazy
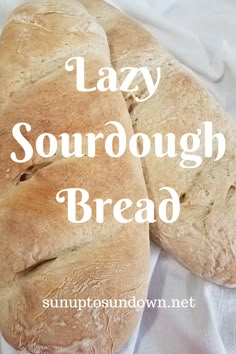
109, 82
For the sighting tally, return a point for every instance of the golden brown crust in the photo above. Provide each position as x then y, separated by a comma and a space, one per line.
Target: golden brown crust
203, 239
42, 254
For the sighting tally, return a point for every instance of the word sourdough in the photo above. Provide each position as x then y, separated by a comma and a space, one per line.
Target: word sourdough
116, 144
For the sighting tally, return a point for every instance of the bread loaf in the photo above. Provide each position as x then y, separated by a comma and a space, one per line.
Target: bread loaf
203, 239
43, 256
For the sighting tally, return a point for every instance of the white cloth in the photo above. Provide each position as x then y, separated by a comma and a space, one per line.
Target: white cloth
202, 35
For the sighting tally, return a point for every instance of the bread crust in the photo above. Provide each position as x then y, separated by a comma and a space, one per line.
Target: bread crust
203, 238
42, 254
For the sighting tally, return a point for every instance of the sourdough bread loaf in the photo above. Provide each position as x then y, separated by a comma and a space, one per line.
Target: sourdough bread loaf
43, 256
204, 237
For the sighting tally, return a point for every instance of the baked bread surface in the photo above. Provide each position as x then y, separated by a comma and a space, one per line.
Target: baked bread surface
43, 255
203, 239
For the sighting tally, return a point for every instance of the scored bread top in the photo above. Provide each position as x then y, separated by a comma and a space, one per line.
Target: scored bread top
42, 254
203, 238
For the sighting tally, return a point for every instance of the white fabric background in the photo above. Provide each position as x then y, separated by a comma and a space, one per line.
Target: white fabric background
202, 35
